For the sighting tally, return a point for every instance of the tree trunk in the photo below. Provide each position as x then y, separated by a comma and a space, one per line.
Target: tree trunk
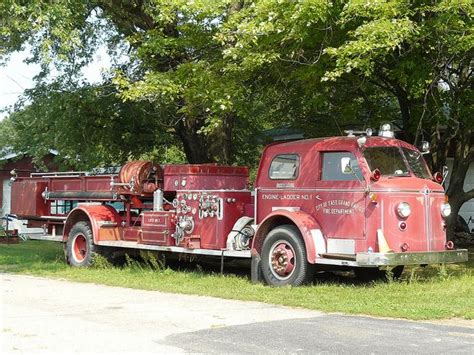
220, 141
405, 111
194, 146
214, 147
457, 196
442, 146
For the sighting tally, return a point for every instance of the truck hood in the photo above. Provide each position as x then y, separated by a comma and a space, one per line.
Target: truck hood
406, 183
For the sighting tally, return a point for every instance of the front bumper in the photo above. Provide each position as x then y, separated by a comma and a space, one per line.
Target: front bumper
414, 258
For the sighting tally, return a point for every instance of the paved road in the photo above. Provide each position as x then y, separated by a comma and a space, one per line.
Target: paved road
43, 315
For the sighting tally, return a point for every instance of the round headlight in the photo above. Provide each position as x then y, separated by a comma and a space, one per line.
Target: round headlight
403, 209
445, 209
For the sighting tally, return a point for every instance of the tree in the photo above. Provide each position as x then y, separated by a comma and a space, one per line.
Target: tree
176, 64
89, 125
409, 62
421, 54
209, 75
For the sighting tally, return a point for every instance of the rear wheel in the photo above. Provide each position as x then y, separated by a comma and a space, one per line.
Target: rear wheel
80, 246
284, 259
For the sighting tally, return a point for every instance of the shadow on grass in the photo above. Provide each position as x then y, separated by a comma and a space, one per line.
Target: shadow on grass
32, 256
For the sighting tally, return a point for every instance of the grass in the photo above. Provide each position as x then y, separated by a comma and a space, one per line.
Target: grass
434, 292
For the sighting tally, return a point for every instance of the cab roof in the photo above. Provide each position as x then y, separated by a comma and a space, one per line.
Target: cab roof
337, 143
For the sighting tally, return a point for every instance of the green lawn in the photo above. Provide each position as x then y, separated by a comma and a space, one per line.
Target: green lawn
434, 292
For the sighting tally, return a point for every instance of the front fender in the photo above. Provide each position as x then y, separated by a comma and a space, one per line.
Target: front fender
96, 215
309, 228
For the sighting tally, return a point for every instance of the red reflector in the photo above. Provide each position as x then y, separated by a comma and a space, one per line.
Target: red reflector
376, 174
402, 226
438, 177
404, 247
449, 245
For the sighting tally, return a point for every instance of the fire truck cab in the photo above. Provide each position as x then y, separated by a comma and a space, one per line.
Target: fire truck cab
360, 202
365, 202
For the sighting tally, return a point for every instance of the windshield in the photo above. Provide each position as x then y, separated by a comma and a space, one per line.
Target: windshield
391, 161
388, 160
417, 163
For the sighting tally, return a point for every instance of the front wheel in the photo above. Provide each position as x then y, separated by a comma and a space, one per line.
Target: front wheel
284, 259
80, 245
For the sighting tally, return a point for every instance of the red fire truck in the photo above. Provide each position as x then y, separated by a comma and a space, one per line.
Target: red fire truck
360, 201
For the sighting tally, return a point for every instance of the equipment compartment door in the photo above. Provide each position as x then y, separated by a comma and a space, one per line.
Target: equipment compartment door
157, 228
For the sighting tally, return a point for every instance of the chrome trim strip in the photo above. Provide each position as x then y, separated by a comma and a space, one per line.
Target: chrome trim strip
324, 261
221, 190
382, 220
289, 209
54, 218
106, 224
314, 189
426, 210
430, 221
406, 191
255, 206
134, 245
351, 190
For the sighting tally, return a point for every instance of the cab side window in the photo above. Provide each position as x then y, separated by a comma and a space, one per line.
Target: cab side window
333, 169
284, 167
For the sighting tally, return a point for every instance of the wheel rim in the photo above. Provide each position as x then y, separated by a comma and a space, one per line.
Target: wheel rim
282, 260
79, 249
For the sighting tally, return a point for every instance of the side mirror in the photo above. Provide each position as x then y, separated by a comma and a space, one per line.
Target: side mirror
425, 147
346, 167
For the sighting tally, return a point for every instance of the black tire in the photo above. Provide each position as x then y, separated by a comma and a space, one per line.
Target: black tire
374, 274
285, 244
80, 246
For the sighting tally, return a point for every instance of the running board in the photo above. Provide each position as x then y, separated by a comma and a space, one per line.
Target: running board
351, 257
337, 259
134, 245
52, 238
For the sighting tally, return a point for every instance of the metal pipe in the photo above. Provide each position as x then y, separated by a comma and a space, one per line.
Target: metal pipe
80, 195
61, 174
158, 200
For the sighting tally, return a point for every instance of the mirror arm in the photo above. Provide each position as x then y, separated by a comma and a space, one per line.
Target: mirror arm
445, 174
358, 179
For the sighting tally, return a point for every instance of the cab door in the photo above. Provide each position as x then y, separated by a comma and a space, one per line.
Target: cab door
340, 201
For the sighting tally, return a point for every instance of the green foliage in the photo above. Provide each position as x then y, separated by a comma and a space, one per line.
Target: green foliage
372, 41
89, 125
208, 77
100, 262
175, 79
